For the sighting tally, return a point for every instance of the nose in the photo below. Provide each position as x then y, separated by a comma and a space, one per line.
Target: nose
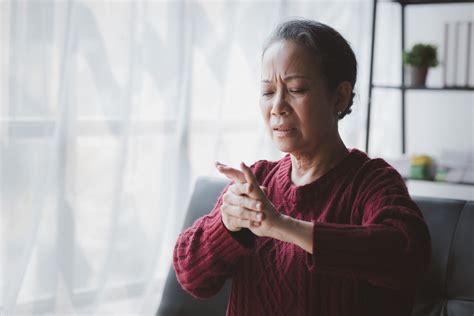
280, 106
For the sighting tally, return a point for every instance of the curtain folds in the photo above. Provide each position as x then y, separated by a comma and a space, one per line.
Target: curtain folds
108, 113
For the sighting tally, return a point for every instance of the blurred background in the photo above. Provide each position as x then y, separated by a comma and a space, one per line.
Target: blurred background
110, 110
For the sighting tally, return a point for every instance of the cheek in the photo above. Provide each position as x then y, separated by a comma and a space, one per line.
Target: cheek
314, 116
307, 110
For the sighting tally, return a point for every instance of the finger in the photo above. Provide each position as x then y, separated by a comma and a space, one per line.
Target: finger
227, 219
243, 201
241, 212
241, 188
232, 223
231, 173
250, 178
244, 223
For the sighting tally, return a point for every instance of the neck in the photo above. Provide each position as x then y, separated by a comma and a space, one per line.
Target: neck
308, 167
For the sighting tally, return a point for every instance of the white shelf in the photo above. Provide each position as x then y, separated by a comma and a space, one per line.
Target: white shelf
440, 189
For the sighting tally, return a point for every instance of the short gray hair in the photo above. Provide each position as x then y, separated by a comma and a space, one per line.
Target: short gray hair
332, 51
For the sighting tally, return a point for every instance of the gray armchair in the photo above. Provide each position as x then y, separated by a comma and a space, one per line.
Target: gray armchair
448, 286
175, 301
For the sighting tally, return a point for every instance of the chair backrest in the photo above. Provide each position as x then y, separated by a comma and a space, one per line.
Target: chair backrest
448, 286
176, 301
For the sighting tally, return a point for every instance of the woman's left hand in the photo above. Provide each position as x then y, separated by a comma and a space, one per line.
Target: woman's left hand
237, 197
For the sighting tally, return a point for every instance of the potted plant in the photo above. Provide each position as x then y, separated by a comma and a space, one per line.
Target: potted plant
417, 61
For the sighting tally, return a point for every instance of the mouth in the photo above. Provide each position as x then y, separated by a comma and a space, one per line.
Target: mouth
283, 131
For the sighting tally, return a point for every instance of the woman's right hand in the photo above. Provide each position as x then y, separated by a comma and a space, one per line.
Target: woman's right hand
238, 211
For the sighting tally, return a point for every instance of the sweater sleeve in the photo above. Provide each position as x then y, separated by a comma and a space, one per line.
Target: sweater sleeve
391, 248
206, 254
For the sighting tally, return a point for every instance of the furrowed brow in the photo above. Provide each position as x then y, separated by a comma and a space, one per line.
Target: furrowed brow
288, 78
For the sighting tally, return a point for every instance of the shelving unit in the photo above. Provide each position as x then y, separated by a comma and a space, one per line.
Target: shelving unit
402, 88
375, 86
416, 187
440, 189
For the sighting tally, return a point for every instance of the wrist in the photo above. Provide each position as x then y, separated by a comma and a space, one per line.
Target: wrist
292, 230
280, 229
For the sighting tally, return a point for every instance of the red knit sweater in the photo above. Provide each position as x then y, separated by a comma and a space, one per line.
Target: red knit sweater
371, 246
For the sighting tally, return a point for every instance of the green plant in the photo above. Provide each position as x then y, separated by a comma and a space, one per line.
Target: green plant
421, 55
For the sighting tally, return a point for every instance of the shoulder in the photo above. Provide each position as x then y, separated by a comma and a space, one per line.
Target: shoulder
380, 187
378, 168
376, 174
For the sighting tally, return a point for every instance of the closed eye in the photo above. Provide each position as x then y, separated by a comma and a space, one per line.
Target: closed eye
298, 91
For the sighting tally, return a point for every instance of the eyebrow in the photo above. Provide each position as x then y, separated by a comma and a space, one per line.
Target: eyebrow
288, 78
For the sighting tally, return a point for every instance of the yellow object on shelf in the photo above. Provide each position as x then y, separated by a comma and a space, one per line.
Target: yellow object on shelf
421, 160
420, 167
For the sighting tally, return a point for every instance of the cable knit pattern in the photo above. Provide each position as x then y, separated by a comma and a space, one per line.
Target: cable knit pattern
371, 246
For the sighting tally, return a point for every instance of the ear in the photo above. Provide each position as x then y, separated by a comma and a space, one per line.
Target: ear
343, 96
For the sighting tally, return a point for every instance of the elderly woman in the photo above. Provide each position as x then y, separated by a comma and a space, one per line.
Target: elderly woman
325, 230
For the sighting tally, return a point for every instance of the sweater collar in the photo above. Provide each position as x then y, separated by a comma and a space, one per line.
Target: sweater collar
296, 193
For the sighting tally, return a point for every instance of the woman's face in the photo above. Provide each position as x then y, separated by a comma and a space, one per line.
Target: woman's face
296, 105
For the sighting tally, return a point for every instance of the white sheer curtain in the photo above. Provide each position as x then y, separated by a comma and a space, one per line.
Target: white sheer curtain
108, 113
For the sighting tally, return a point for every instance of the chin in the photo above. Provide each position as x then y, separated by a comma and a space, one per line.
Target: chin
284, 146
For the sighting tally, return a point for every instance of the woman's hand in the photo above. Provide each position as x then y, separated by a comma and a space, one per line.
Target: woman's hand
237, 210
245, 200
245, 204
